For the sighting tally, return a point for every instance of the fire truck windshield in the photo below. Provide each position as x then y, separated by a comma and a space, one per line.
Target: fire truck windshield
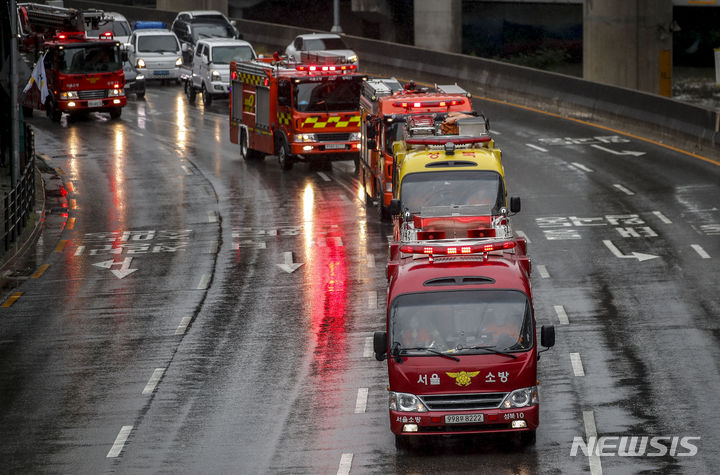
466, 321
89, 58
342, 94
431, 193
225, 54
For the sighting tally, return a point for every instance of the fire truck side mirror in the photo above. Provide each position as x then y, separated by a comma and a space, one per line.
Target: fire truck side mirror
514, 204
380, 345
547, 336
395, 207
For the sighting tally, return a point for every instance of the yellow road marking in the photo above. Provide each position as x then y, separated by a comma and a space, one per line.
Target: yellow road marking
584, 122
60, 171
10, 301
70, 223
70, 187
61, 246
41, 270
73, 203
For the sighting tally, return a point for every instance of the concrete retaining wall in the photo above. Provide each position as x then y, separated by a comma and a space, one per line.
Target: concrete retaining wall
651, 116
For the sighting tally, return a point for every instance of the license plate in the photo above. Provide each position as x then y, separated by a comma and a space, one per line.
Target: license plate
95, 103
161, 73
463, 418
334, 146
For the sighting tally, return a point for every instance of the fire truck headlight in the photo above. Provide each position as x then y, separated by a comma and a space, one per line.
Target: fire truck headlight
69, 95
115, 92
140, 77
215, 76
406, 402
353, 58
178, 62
521, 398
140, 63
355, 136
305, 138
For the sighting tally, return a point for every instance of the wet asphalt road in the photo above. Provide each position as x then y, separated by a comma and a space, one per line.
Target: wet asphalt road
159, 330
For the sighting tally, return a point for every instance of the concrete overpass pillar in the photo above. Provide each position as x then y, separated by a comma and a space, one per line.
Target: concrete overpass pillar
179, 5
438, 24
628, 43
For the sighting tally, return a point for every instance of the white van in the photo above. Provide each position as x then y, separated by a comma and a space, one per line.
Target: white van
211, 67
155, 54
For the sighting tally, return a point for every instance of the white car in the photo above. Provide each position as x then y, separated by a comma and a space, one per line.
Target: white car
114, 23
155, 54
320, 43
211, 67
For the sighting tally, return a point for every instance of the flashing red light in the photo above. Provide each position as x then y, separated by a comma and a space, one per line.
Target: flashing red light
326, 69
266, 82
443, 139
234, 74
455, 250
107, 35
405, 104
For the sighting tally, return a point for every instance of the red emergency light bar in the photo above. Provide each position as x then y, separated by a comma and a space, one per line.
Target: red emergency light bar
443, 139
326, 68
107, 35
70, 35
418, 104
457, 249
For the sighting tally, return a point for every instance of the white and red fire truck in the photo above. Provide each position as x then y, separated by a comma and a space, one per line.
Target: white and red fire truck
297, 111
460, 339
384, 105
82, 75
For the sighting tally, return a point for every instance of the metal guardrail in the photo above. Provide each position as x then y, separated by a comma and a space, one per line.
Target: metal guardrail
20, 201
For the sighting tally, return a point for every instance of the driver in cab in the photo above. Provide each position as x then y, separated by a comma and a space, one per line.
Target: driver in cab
420, 334
501, 331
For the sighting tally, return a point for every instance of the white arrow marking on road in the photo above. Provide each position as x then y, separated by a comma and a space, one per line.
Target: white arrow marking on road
289, 266
615, 152
124, 271
635, 255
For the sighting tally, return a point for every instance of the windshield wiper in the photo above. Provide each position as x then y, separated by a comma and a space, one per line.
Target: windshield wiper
490, 349
397, 349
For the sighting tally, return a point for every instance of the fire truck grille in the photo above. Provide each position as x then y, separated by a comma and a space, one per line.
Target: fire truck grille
97, 94
462, 402
340, 137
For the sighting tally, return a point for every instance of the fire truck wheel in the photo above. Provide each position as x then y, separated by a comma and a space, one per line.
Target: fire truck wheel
382, 209
52, 111
206, 96
115, 113
191, 93
284, 158
140, 95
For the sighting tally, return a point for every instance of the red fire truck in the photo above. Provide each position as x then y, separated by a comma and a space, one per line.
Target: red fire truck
460, 339
296, 111
384, 104
82, 75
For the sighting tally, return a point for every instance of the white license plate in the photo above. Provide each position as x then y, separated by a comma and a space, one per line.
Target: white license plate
463, 418
334, 146
95, 103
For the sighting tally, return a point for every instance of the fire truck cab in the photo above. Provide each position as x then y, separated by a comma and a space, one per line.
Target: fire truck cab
450, 186
384, 106
83, 75
460, 339
296, 111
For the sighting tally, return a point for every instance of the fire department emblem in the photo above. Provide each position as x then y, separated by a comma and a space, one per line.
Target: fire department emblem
92, 80
463, 378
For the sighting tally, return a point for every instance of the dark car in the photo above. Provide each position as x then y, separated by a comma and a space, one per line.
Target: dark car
191, 26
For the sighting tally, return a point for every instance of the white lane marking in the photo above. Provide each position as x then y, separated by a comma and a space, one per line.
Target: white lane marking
591, 431
371, 261
79, 250
495, 132
288, 265
368, 349
186, 170
213, 249
323, 176
615, 152
700, 251
582, 167
345, 199
153, 382
345, 464
562, 315
204, 281
372, 299
634, 255
523, 235
361, 401
543, 272
662, 217
120, 441
623, 189
183, 326
577, 365
212, 217
536, 147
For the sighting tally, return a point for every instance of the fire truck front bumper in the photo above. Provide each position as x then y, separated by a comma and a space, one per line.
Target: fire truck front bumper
93, 105
331, 150
470, 422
